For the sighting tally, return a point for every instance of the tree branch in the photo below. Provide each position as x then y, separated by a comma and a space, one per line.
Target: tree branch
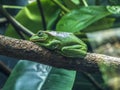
23, 49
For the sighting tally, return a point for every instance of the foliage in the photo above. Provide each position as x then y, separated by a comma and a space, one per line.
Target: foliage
34, 76
81, 18
32, 19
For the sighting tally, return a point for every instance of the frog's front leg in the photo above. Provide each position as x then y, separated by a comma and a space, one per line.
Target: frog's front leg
52, 45
78, 51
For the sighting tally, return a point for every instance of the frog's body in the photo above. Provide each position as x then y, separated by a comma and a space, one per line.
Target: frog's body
63, 42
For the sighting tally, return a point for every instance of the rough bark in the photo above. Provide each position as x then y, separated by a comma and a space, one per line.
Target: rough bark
23, 49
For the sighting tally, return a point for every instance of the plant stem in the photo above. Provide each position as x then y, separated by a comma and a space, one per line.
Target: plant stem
15, 23
92, 80
12, 7
4, 69
4, 12
85, 3
42, 14
61, 6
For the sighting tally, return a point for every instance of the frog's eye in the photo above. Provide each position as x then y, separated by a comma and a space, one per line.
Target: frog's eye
40, 34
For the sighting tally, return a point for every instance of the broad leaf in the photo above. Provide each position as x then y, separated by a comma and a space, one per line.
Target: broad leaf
30, 17
34, 76
101, 24
79, 19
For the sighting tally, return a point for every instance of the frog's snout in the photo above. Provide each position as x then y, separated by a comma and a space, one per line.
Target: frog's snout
34, 38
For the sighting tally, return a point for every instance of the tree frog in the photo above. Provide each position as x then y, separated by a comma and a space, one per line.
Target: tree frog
64, 43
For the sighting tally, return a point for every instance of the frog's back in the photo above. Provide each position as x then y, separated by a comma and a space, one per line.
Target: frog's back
66, 37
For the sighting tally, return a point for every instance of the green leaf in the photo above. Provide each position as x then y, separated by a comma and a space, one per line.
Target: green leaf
101, 24
30, 17
76, 1
29, 75
79, 19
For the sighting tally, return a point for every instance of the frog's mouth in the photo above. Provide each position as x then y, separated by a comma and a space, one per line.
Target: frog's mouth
36, 38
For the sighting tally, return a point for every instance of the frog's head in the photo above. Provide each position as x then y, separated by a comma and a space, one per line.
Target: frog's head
41, 36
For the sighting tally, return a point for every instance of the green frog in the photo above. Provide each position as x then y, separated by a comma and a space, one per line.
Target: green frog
65, 43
